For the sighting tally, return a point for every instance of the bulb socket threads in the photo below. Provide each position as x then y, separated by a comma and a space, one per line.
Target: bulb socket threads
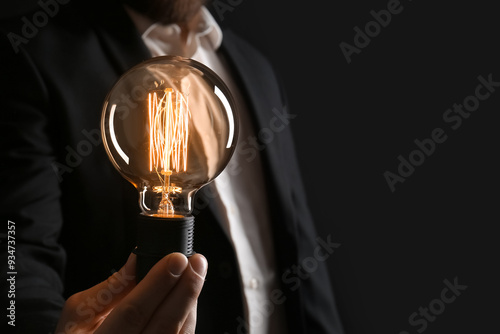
157, 237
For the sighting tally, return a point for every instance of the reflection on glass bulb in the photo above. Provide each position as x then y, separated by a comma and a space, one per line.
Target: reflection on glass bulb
169, 127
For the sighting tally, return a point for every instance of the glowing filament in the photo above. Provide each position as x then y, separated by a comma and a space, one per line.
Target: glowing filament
168, 140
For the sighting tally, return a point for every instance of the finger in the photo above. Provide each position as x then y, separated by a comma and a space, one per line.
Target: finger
88, 308
173, 312
135, 310
189, 326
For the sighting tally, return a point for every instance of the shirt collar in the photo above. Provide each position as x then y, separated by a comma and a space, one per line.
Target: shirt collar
166, 39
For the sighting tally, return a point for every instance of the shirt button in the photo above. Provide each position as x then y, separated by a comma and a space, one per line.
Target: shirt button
254, 283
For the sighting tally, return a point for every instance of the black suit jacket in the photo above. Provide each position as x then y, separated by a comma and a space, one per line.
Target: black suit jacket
75, 215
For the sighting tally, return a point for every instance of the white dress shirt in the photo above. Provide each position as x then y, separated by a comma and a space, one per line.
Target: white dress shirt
242, 195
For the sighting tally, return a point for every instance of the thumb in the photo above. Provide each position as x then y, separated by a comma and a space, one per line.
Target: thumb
85, 310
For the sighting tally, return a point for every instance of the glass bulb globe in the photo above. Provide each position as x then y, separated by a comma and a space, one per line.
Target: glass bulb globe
169, 126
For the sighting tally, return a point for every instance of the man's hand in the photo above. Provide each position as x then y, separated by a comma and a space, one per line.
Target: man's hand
163, 302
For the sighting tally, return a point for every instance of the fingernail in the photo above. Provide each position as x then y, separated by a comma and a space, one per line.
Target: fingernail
177, 264
199, 265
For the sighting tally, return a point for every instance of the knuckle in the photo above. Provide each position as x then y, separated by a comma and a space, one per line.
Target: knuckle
194, 285
74, 300
113, 279
114, 283
132, 316
188, 328
168, 325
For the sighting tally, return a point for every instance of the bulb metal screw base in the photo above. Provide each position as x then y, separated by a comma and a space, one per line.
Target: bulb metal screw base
157, 237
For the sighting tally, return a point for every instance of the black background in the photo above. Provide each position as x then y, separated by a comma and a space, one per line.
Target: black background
353, 122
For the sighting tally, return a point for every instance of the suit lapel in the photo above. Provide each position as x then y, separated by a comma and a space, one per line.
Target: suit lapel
263, 95
120, 39
263, 99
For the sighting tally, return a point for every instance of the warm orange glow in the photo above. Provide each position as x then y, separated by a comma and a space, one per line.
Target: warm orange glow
168, 140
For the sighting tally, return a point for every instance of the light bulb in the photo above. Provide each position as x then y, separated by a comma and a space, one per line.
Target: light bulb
169, 126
